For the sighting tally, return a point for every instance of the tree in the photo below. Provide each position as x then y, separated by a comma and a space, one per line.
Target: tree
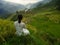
56, 3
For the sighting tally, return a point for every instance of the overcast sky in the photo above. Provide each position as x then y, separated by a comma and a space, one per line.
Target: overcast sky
24, 2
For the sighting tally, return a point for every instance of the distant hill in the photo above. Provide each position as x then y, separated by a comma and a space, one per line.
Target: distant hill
43, 22
40, 3
8, 7
34, 8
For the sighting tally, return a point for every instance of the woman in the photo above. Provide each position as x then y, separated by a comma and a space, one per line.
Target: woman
20, 27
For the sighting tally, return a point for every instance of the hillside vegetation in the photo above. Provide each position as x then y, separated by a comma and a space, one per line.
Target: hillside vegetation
42, 22
44, 27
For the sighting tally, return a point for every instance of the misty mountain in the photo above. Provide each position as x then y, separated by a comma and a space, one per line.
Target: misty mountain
8, 7
40, 3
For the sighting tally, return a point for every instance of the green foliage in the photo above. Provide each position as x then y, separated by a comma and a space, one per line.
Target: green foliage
46, 26
56, 3
42, 22
8, 37
6, 29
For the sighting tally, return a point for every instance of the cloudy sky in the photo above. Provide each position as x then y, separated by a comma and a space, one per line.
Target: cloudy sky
24, 2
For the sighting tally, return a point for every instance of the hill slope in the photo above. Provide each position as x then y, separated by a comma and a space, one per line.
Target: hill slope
43, 24
9, 7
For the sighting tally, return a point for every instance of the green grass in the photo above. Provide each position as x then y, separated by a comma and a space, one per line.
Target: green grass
46, 22
44, 27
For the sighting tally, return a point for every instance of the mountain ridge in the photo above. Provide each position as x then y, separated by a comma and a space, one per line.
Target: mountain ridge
8, 7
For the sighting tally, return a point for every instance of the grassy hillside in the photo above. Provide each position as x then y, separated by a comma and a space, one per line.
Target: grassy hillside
8, 37
44, 27
42, 22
